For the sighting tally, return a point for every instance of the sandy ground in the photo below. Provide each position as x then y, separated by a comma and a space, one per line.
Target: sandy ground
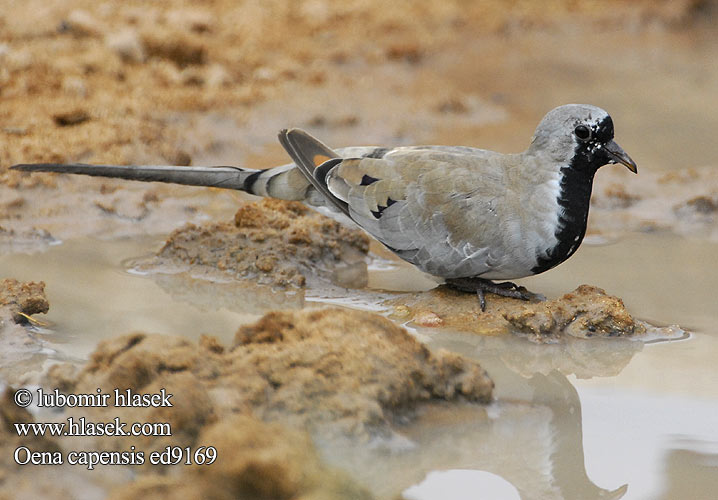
586, 312
183, 84
109, 82
128, 82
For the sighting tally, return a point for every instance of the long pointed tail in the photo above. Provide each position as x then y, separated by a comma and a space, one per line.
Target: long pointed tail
224, 177
285, 182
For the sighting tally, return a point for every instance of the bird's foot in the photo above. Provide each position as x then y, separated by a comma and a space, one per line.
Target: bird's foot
482, 286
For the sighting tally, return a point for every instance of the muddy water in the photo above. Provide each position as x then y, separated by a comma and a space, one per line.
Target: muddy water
585, 419
103, 296
582, 419
575, 420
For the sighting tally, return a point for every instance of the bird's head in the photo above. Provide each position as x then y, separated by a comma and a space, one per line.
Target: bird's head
579, 136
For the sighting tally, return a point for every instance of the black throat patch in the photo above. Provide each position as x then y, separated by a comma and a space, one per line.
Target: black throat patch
573, 199
575, 196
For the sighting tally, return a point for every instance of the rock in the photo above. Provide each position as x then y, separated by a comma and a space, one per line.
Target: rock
361, 367
278, 243
586, 312
23, 299
331, 371
20, 350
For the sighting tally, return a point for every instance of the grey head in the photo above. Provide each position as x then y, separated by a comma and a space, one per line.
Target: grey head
579, 136
576, 140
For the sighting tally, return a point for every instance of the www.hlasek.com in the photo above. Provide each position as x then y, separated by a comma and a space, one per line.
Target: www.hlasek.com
80, 426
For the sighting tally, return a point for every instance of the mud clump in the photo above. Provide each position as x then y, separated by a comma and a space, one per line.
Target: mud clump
586, 312
331, 371
254, 460
355, 369
22, 300
279, 243
20, 349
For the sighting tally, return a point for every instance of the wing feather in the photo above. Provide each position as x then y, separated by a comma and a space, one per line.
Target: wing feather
422, 203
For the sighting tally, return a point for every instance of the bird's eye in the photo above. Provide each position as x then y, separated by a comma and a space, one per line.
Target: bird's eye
582, 132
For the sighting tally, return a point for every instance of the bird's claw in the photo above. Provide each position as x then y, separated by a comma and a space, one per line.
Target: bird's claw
482, 286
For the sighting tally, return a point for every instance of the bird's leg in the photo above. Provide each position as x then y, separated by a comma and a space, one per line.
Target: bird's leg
508, 285
482, 286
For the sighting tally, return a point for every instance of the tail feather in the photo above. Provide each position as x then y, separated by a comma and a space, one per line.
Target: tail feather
309, 154
221, 177
299, 182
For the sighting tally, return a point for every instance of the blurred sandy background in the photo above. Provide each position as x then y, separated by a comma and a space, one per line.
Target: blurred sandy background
121, 81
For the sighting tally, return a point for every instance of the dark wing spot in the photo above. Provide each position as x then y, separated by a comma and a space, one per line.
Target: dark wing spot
377, 214
367, 180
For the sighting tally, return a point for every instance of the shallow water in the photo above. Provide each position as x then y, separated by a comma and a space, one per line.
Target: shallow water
573, 420
101, 297
583, 418
576, 420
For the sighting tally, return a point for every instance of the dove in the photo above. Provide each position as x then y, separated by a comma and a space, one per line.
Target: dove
468, 216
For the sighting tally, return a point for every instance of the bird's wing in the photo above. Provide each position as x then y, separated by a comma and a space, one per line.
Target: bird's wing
310, 155
431, 206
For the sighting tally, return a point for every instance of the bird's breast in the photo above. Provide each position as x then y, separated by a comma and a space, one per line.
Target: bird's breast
518, 226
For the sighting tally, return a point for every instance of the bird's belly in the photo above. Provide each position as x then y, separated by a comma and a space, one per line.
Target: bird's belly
512, 255
489, 263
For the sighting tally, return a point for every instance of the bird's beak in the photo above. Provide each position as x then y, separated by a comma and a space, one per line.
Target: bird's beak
618, 155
